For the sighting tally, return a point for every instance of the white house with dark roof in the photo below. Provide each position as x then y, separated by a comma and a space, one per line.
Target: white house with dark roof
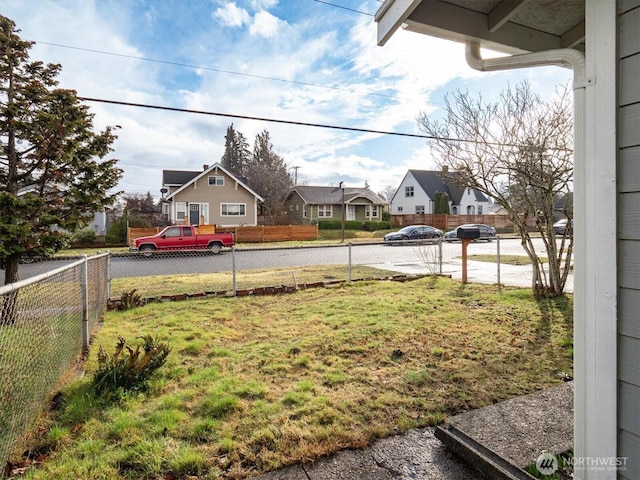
211, 196
417, 195
308, 204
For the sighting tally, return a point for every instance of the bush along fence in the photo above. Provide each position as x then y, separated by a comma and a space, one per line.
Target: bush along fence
46, 323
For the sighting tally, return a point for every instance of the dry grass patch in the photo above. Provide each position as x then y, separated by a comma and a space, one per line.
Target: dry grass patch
256, 383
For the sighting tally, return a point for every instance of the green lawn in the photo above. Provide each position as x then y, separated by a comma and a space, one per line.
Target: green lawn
256, 383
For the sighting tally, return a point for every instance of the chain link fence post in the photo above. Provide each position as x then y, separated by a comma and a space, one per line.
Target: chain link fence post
498, 259
349, 274
84, 296
233, 270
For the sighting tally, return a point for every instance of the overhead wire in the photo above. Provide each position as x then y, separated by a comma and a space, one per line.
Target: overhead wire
293, 122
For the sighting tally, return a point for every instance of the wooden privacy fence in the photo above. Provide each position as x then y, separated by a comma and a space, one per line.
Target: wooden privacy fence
449, 222
277, 233
245, 234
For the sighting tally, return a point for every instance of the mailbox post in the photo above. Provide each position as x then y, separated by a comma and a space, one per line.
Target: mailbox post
466, 235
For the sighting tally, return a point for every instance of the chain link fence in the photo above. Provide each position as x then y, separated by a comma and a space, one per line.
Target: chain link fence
46, 321
243, 271
45, 324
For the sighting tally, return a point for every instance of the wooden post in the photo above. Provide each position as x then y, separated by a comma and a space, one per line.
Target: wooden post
465, 244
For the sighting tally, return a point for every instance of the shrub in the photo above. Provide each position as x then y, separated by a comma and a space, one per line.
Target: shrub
86, 236
353, 225
128, 369
117, 233
130, 300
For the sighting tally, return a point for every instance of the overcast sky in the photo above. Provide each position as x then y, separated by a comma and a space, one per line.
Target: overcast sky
294, 60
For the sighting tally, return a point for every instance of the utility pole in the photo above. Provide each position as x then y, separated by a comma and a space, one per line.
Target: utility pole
343, 215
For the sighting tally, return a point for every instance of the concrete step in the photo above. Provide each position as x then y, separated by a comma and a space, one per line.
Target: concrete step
500, 440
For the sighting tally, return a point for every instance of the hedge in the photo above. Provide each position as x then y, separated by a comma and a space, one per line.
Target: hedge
353, 225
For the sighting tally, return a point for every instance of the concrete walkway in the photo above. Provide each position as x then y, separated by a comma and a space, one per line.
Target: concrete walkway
494, 442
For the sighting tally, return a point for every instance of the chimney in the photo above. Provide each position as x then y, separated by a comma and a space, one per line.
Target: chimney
205, 167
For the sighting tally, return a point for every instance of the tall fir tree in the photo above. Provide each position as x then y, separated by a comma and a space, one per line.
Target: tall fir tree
236, 153
53, 171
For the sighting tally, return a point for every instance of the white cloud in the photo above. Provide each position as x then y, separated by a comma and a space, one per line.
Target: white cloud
231, 15
263, 4
323, 69
265, 25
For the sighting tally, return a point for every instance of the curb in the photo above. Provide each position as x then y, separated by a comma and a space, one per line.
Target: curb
484, 460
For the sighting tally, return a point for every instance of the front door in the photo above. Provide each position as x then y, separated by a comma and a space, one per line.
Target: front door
351, 212
194, 214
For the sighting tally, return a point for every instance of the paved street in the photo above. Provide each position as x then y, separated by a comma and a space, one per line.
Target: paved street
417, 259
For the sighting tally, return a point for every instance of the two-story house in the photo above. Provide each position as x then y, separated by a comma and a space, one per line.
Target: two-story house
211, 196
418, 189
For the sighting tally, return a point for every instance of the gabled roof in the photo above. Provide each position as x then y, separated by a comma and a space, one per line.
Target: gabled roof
333, 195
184, 178
435, 181
177, 178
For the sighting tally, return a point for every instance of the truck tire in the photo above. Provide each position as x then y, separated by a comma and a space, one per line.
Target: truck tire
215, 248
147, 250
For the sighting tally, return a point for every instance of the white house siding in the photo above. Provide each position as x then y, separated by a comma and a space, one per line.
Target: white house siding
469, 200
402, 205
629, 238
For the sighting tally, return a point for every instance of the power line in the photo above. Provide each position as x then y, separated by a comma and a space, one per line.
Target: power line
212, 69
345, 8
304, 124
262, 119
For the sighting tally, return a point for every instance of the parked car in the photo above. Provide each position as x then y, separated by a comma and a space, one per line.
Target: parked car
413, 232
487, 232
561, 225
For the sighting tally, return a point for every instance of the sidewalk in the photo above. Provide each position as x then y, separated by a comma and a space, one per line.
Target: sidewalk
498, 440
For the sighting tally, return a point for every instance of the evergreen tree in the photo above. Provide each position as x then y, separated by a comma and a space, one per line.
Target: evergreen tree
236, 152
441, 203
53, 175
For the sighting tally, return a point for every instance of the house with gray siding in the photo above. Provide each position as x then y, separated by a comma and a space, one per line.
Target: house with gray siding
600, 41
211, 196
306, 204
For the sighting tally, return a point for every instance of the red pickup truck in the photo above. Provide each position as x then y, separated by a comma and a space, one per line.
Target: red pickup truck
182, 237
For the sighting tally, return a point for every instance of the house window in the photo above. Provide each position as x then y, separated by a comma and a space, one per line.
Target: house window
479, 209
233, 209
408, 191
304, 210
325, 211
419, 209
181, 210
371, 211
216, 181
400, 209
165, 208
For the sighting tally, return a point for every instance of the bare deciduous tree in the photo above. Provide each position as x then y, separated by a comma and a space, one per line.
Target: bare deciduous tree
518, 151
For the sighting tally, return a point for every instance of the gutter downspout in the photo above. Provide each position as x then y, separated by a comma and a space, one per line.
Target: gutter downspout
592, 422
